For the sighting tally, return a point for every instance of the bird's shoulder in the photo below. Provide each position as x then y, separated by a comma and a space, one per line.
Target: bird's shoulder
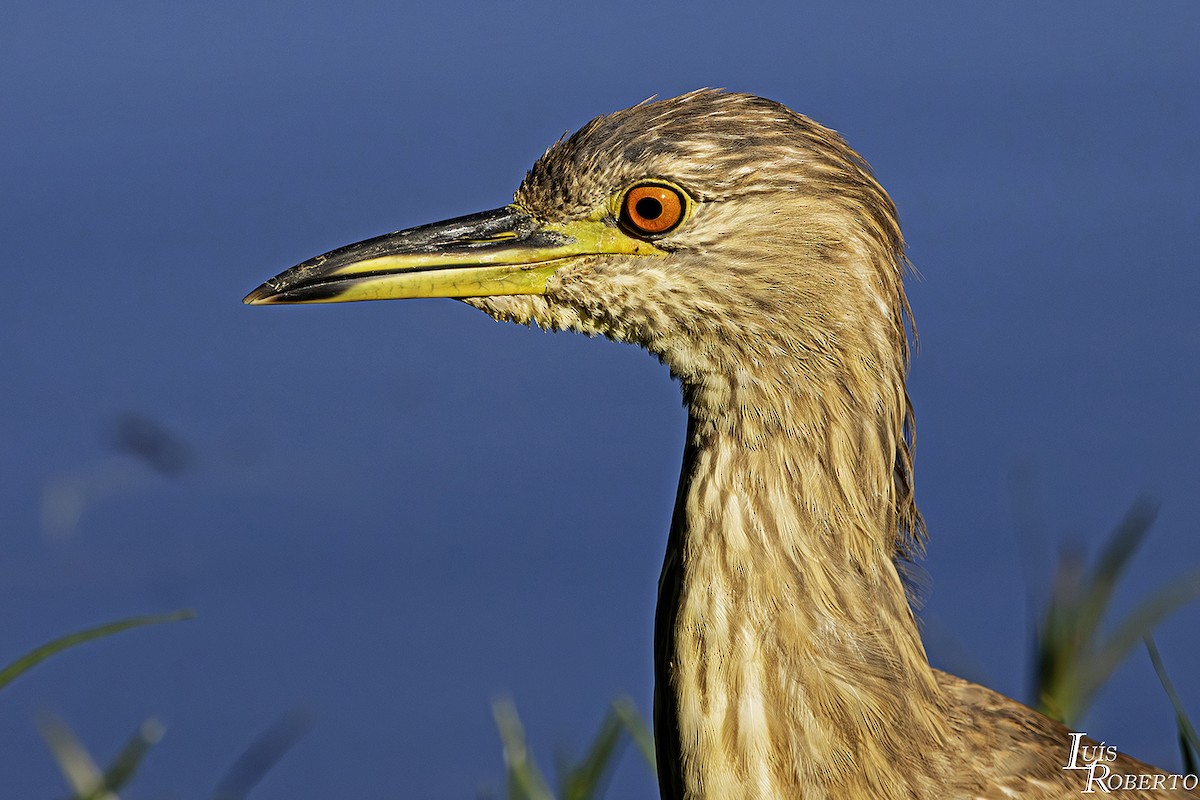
1028, 755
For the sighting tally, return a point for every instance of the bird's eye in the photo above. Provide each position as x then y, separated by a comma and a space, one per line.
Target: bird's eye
652, 209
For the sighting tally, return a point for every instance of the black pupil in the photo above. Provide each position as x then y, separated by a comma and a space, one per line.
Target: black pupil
648, 208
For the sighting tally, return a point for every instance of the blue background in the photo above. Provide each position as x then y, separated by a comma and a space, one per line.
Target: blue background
388, 514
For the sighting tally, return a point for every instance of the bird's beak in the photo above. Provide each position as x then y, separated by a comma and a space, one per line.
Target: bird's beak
502, 252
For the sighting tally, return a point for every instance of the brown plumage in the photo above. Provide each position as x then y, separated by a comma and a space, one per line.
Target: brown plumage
787, 660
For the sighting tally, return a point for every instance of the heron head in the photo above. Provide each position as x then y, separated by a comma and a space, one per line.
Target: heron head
745, 245
707, 228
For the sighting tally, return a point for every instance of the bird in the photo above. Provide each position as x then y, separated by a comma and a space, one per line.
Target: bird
756, 255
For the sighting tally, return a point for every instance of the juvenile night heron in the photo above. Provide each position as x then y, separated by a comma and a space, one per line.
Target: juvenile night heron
753, 252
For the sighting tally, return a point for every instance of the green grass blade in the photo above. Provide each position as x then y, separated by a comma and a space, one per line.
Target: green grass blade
1191, 756
1070, 660
1189, 742
1136, 627
74, 762
1113, 559
130, 758
80, 771
262, 755
627, 713
39, 654
586, 781
1058, 646
525, 780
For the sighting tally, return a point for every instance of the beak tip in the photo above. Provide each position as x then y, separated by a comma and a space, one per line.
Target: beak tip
263, 295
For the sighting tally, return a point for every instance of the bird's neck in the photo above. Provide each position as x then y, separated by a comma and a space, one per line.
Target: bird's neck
788, 661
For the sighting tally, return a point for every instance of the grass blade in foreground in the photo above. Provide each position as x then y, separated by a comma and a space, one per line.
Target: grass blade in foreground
586, 780
39, 654
121, 771
638, 730
525, 780
262, 755
1189, 742
1072, 660
80, 771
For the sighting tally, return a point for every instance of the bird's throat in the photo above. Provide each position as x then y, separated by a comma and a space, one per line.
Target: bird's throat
787, 657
